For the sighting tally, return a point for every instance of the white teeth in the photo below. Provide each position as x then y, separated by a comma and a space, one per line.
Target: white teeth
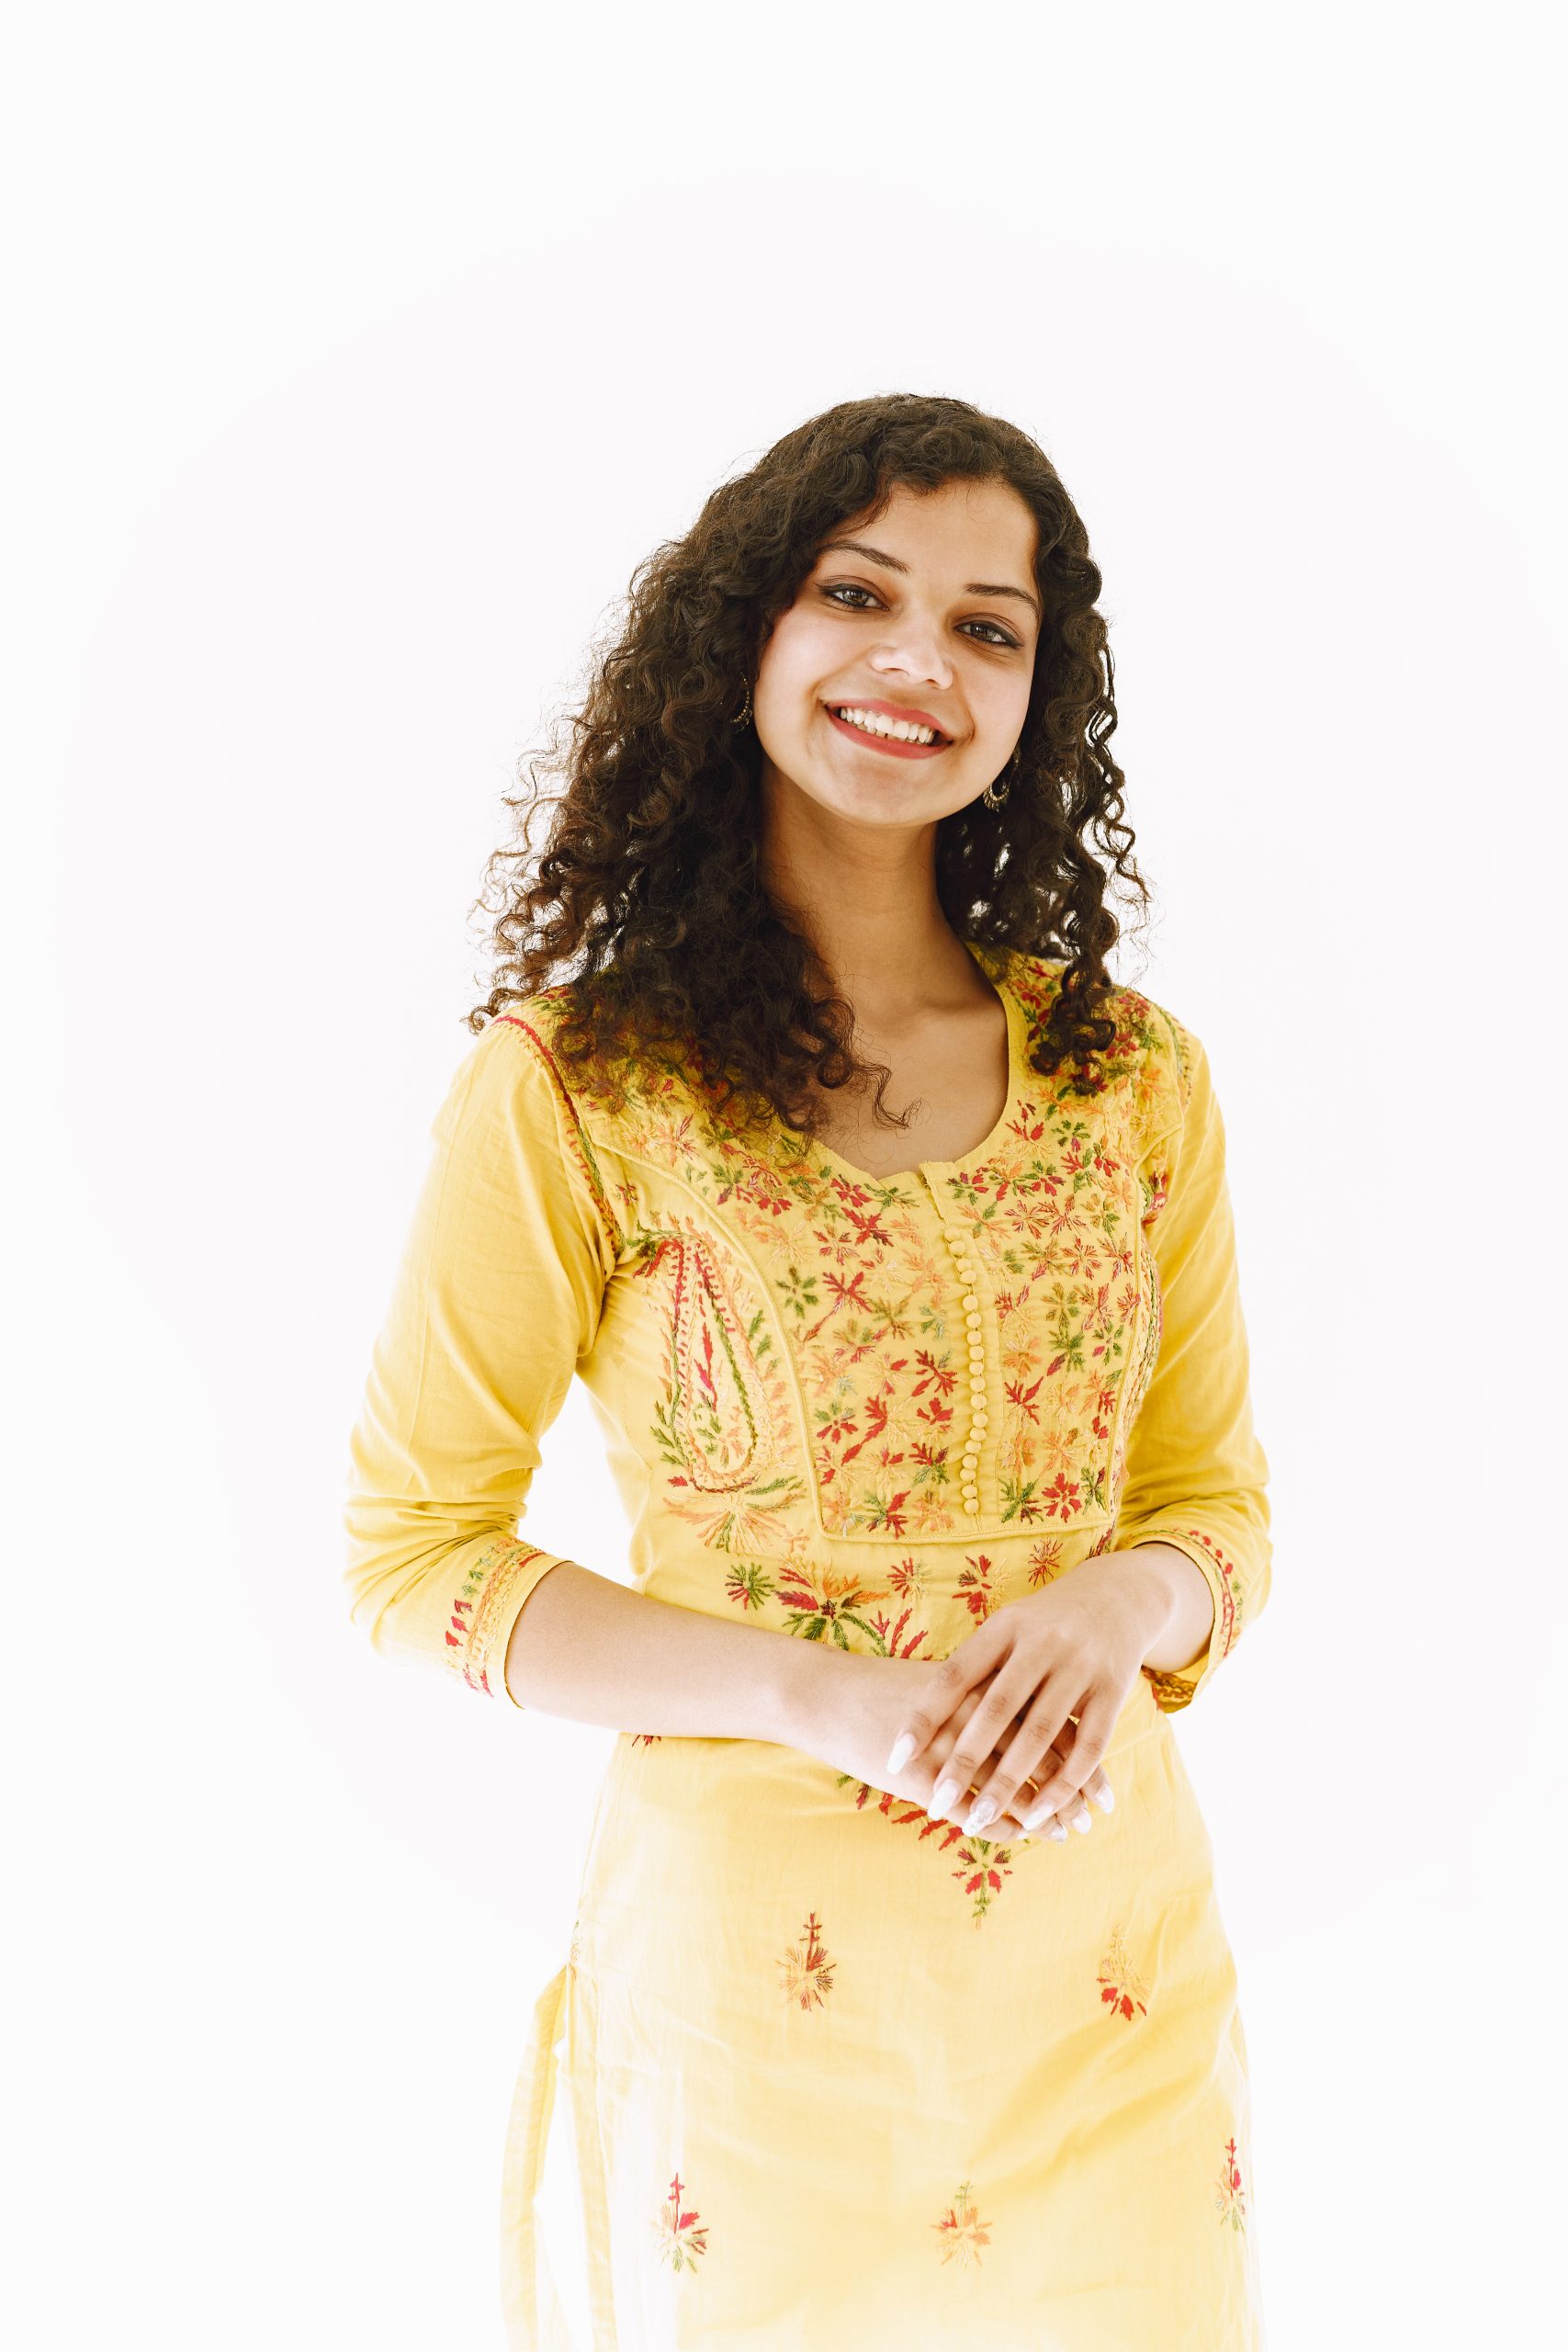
874, 723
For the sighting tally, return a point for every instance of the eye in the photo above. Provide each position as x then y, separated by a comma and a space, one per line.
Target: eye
999, 636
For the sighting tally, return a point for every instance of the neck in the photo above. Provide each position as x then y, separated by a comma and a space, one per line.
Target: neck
865, 898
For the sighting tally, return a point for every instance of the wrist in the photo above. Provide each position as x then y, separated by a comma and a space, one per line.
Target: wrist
1180, 1602
802, 1686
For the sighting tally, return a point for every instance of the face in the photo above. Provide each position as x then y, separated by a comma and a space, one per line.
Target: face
932, 614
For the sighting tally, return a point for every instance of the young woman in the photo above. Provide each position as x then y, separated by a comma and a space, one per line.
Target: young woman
892, 1240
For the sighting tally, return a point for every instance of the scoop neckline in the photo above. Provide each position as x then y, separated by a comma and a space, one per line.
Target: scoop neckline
999, 976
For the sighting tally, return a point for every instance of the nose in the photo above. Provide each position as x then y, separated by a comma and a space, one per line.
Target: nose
917, 652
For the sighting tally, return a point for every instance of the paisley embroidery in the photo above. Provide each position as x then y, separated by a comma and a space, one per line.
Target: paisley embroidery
719, 1425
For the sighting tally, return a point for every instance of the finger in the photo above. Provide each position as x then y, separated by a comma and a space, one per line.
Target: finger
1082, 1752
962, 1672
1097, 1786
1045, 1720
977, 1742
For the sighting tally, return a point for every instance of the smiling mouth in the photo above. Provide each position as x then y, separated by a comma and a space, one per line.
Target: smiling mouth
912, 737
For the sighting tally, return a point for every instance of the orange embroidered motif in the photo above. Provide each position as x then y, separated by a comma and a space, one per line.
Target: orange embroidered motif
680, 2239
962, 2230
983, 1863
807, 1972
974, 1588
1230, 2200
1121, 1988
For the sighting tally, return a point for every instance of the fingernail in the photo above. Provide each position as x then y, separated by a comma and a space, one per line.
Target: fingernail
1058, 1830
1107, 1802
1081, 1820
984, 1812
903, 1748
946, 1794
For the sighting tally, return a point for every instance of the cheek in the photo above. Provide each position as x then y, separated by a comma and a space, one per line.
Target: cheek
798, 657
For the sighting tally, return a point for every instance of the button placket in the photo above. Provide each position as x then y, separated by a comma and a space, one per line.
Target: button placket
969, 1465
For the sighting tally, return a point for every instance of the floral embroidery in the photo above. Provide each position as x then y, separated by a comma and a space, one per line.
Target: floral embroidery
680, 2239
962, 2230
1121, 1988
1230, 2200
474, 1647
975, 1586
809, 1331
853, 1277
983, 1862
807, 1972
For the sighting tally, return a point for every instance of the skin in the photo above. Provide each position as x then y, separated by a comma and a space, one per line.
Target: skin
848, 843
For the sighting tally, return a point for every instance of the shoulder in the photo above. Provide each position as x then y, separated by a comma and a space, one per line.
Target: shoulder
517, 1063
514, 1073
1152, 1057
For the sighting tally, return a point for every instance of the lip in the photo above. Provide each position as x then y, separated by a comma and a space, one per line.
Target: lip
891, 710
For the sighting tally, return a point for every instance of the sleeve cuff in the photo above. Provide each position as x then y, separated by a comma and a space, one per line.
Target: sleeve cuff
485, 1609
1176, 1690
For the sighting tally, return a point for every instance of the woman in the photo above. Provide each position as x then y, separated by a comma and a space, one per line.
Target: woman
932, 1423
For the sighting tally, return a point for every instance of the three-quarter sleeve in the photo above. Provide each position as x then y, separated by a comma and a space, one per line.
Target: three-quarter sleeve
1196, 1473
497, 1294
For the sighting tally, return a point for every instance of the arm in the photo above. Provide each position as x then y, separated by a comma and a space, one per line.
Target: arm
499, 1290
497, 1296
588, 1648
1194, 1504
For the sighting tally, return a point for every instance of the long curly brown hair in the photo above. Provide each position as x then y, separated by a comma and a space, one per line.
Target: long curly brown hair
647, 893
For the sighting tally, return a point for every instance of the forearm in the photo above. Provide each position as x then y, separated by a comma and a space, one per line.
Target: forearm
586, 1646
1183, 1602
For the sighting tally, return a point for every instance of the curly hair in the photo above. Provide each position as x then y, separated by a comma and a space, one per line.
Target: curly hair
648, 889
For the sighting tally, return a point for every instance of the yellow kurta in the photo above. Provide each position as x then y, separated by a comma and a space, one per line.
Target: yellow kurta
839, 2073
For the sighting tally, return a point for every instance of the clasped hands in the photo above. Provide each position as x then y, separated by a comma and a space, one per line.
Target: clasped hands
1027, 1703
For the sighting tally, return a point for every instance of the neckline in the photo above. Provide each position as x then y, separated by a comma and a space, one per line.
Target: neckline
994, 964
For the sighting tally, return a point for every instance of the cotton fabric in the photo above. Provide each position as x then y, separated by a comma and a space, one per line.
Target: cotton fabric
839, 2073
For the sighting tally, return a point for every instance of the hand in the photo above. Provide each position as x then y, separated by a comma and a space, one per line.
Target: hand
1065, 1656
861, 1704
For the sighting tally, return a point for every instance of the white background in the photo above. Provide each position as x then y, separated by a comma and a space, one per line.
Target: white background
357, 355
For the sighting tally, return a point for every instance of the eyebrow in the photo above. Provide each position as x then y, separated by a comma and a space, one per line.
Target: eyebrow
975, 588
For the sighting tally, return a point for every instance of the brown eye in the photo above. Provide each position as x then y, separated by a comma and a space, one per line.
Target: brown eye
999, 636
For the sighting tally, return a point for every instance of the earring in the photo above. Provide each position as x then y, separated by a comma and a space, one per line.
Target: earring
746, 714
991, 797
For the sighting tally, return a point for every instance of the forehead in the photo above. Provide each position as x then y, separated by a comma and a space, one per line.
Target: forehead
961, 524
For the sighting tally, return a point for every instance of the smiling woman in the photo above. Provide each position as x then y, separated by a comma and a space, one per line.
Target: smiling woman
931, 1420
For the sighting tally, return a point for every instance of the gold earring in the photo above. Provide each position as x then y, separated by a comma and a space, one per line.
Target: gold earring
746, 714
991, 797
